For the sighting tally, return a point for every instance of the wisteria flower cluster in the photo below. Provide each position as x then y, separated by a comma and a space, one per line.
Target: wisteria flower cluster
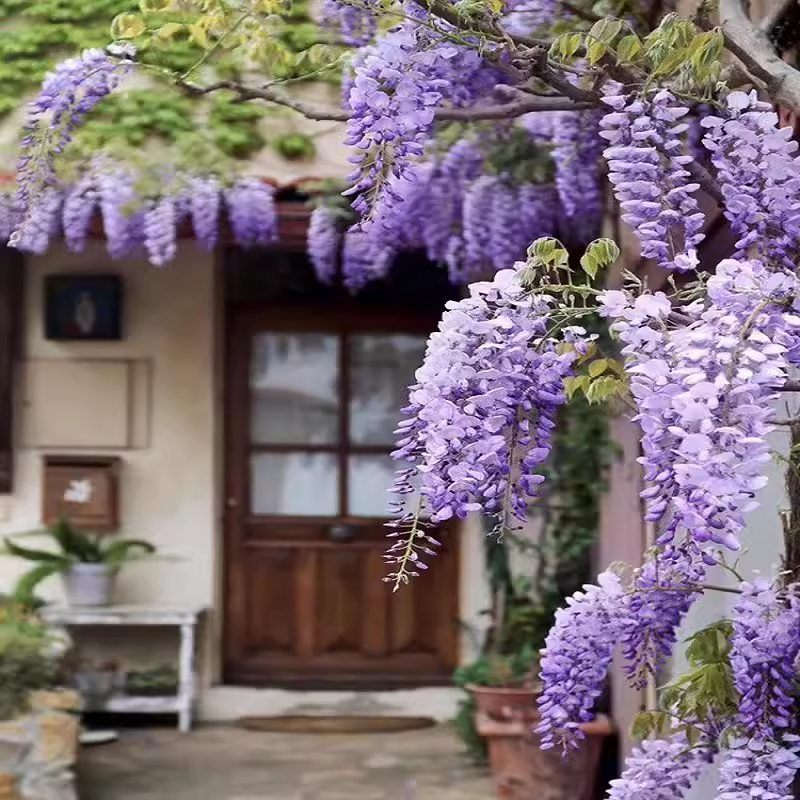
759, 174
483, 409
662, 769
647, 170
704, 392
131, 220
68, 93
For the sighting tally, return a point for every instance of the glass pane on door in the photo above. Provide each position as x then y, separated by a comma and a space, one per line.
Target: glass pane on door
294, 484
382, 367
294, 381
369, 479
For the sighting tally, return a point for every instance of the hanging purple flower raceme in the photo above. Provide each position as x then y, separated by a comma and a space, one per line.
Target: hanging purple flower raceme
42, 222
764, 646
67, 94
506, 245
577, 153
755, 768
251, 212
485, 401
759, 174
575, 660
662, 769
396, 87
704, 393
538, 211
323, 243
647, 169
204, 209
478, 225
355, 21
118, 204
362, 260
160, 231
81, 202
662, 591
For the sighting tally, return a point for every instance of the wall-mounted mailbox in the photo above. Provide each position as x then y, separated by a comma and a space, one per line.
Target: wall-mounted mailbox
83, 488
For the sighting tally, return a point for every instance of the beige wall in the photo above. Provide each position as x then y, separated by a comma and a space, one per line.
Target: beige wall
168, 488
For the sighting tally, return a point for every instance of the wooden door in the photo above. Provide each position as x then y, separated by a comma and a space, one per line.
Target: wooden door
314, 397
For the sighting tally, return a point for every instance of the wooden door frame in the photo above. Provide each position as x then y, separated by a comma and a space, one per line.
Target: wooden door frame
240, 323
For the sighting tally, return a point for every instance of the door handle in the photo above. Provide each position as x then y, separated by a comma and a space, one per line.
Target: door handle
340, 533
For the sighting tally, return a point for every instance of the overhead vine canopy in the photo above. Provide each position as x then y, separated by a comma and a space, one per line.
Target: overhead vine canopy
477, 127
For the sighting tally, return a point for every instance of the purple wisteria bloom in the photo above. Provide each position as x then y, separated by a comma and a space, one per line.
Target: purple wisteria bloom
647, 169
159, 231
41, 223
356, 21
484, 405
362, 260
576, 657
251, 212
323, 243
119, 203
577, 153
755, 768
204, 209
704, 393
764, 646
67, 94
759, 174
662, 769
81, 202
662, 591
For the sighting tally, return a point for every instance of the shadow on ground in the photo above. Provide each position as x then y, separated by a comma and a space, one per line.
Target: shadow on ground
226, 763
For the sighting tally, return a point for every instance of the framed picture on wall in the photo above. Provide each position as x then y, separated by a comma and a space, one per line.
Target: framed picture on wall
83, 307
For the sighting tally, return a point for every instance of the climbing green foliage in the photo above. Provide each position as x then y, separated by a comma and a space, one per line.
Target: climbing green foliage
704, 691
39, 33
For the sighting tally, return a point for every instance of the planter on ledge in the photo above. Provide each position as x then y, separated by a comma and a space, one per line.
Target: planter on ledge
505, 718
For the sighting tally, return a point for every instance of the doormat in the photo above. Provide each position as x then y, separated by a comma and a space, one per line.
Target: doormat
335, 724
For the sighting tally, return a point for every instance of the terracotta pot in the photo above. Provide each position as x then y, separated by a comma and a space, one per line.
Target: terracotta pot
503, 702
521, 769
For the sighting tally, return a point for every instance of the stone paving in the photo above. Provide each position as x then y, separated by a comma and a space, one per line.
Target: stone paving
226, 763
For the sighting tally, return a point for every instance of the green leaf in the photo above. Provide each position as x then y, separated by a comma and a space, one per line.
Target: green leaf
567, 45
122, 550
673, 60
127, 26
598, 367
578, 383
629, 48
169, 30
606, 30
198, 34
27, 583
595, 50
31, 554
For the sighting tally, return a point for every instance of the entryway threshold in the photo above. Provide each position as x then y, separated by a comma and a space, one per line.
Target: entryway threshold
230, 703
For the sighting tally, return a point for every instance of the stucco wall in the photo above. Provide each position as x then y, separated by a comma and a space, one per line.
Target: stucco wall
167, 488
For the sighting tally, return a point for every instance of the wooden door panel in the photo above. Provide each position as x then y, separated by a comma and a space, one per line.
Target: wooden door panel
306, 601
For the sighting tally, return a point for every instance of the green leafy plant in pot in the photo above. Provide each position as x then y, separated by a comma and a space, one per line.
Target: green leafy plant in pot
87, 562
30, 659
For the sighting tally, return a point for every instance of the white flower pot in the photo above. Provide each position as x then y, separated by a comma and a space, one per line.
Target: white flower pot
89, 584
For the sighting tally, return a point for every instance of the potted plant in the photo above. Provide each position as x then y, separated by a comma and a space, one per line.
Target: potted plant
160, 681
87, 562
